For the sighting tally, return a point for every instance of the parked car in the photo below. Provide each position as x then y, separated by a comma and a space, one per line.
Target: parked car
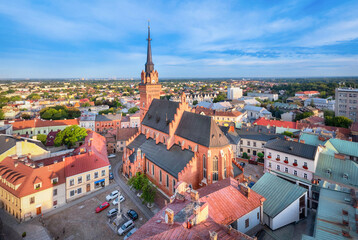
111, 177
102, 207
132, 214
242, 164
112, 195
111, 155
112, 212
251, 184
126, 227
110, 167
120, 199
130, 233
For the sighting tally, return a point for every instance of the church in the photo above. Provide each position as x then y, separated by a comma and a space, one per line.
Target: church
175, 144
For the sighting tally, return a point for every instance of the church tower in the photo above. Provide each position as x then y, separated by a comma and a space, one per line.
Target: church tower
149, 88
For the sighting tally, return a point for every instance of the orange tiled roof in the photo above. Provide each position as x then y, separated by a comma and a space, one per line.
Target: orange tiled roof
35, 123
227, 203
26, 176
89, 156
276, 123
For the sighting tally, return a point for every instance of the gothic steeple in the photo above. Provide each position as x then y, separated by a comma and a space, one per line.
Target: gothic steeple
149, 65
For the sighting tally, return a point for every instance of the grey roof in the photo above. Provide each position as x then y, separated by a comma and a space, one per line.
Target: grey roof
294, 148
160, 114
233, 137
237, 170
108, 117
279, 193
8, 141
258, 136
201, 129
172, 161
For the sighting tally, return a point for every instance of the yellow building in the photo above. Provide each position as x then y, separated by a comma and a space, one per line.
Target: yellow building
27, 191
10, 145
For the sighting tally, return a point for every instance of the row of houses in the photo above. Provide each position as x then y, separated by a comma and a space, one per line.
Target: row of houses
34, 181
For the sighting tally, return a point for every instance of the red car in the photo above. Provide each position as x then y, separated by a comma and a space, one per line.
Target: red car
102, 207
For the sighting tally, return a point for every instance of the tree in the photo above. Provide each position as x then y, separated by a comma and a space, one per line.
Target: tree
59, 112
220, 97
312, 103
148, 193
138, 181
2, 115
261, 157
195, 102
25, 116
133, 110
42, 138
339, 121
245, 155
34, 96
70, 135
287, 133
304, 115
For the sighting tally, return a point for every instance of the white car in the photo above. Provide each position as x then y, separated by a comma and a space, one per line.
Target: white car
130, 233
112, 195
126, 227
121, 199
111, 155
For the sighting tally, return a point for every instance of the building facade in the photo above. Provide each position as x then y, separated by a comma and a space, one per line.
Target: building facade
234, 93
347, 103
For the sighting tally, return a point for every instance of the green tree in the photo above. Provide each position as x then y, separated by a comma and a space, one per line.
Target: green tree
2, 115
339, 121
25, 116
220, 97
304, 115
138, 181
287, 133
42, 138
195, 102
261, 157
34, 96
70, 135
133, 110
148, 193
245, 155
15, 98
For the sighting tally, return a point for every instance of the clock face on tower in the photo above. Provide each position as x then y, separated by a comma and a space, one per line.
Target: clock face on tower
153, 81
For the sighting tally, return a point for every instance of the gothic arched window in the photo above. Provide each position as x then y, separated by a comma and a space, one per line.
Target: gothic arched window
215, 168
204, 166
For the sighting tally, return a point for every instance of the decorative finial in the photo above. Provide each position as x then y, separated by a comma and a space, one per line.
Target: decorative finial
148, 23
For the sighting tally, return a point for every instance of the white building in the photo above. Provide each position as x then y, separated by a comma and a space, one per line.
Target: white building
321, 103
285, 202
269, 96
88, 122
234, 93
293, 161
254, 112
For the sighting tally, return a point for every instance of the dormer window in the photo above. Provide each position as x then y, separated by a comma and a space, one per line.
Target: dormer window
37, 186
54, 181
345, 176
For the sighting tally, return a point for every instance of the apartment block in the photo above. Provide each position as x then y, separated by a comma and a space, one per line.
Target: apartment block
347, 103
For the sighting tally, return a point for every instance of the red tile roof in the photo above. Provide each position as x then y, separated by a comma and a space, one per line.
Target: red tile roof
215, 196
35, 123
26, 176
276, 123
91, 155
307, 92
227, 203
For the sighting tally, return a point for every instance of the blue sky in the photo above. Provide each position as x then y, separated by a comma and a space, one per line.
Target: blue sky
190, 38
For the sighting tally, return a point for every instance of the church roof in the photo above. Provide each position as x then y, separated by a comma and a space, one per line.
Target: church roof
160, 114
201, 129
172, 161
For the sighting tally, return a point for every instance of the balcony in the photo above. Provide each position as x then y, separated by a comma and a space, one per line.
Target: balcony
286, 161
277, 159
294, 164
269, 157
305, 167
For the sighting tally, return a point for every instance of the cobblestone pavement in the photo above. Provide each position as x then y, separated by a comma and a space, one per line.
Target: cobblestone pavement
33, 228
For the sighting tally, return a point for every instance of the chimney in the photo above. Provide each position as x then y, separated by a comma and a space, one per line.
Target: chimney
232, 129
302, 141
18, 148
213, 235
16, 163
194, 195
245, 190
169, 216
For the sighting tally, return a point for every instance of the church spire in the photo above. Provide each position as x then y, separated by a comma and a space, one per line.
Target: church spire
149, 66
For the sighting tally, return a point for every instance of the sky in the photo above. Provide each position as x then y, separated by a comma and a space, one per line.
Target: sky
216, 39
